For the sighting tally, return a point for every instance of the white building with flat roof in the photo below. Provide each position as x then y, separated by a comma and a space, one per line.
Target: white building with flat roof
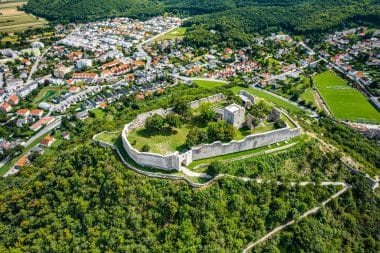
235, 115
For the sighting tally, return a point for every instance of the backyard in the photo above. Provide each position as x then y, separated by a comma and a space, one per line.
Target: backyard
345, 102
45, 94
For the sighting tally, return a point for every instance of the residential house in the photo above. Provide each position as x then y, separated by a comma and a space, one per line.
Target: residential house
47, 141
5, 107
23, 113
13, 100
23, 161
36, 113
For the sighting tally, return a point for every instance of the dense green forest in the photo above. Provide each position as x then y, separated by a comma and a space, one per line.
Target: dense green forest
234, 20
84, 199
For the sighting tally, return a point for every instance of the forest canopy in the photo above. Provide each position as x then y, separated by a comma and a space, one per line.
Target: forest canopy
235, 20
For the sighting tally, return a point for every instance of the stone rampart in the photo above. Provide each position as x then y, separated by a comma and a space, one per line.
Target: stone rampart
169, 162
175, 160
211, 99
250, 142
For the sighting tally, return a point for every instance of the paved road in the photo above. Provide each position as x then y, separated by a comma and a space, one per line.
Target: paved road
35, 65
3, 162
44, 131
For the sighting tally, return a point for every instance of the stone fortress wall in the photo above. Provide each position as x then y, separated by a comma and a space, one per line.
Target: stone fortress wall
176, 160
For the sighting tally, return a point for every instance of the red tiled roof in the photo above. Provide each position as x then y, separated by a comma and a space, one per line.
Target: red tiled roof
36, 112
84, 75
47, 140
22, 111
13, 98
22, 162
5, 105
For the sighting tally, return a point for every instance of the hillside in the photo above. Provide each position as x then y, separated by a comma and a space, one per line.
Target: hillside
235, 20
84, 199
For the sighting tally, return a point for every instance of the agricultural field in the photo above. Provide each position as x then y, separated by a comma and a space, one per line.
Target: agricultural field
177, 33
13, 20
345, 102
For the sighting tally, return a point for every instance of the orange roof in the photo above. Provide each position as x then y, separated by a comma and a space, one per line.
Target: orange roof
36, 126
160, 91
75, 54
360, 74
5, 105
196, 69
13, 98
22, 162
130, 77
36, 112
140, 96
74, 89
111, 64
103, 105
47, 140
22, 111
106, 72
139, 63
46, 120
84, 75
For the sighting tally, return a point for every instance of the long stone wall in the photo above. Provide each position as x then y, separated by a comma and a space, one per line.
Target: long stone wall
250, 142
169, 162
175, 160
211, 99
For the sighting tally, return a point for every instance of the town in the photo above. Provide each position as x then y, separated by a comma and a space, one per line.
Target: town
94, 64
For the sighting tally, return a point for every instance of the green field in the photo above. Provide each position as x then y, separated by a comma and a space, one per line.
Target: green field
308, 96
108, 137
209, 84
345, 102
268, 97
13, 20
46, 93
165, 143
177, 33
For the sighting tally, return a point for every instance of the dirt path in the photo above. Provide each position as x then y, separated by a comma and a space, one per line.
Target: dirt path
321, 103
304, 215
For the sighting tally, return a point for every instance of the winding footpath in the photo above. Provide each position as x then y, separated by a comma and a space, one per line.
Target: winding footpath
304, 215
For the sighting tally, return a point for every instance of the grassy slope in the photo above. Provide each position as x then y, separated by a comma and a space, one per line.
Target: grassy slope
269, 98
208, 84
178, 33
345, 102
